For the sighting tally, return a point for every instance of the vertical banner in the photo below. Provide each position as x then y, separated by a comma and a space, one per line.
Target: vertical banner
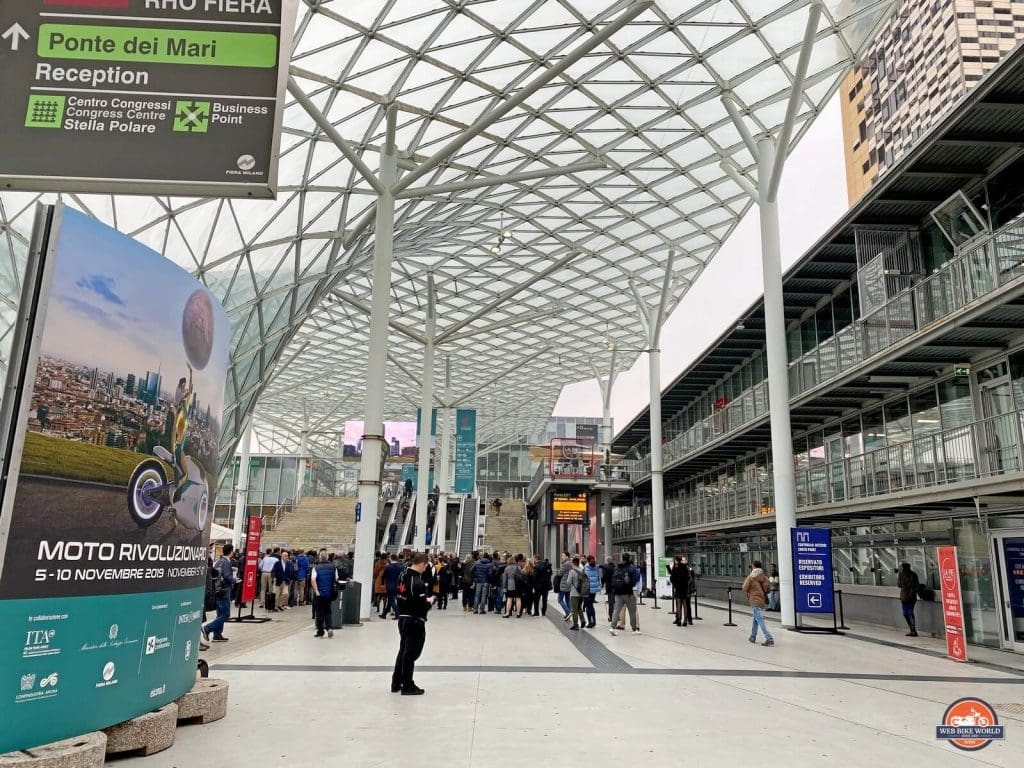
813, 588
465, 450
106, 511
252, 558
662, 578
952, 604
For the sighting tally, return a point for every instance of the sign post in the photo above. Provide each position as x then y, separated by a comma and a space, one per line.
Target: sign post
144, 96
253, 540
813, 587
952, 604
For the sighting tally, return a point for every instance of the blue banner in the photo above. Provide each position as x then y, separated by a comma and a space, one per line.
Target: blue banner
812, 570
465, 450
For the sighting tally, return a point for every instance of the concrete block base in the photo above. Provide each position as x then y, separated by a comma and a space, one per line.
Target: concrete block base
144, 735
88, 751
206, 702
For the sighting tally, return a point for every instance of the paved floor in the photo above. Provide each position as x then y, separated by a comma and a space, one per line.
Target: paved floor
513, 692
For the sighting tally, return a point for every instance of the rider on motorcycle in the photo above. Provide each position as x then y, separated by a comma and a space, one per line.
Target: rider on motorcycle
184, 405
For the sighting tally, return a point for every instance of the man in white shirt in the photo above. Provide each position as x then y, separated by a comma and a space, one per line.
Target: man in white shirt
266, 567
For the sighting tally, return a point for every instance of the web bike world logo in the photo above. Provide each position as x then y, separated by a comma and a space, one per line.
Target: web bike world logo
969, 724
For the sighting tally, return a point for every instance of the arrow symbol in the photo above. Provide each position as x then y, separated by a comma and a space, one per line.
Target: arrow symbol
15, 33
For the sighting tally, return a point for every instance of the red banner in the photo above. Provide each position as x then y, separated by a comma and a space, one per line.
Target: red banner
252, 558
952, 604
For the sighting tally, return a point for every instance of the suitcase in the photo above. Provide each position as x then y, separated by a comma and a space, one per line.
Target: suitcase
336, 614
271, 600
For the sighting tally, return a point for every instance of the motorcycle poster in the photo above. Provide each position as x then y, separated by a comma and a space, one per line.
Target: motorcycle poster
109, 500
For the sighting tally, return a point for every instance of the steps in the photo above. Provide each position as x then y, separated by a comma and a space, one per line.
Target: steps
507, 532
318, 521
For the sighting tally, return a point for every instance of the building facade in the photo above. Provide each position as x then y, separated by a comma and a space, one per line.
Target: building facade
906, 363
921, 63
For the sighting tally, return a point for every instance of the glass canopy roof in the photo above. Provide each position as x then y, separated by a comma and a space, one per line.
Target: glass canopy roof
540, 267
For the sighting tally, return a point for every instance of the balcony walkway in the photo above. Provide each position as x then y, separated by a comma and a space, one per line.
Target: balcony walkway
512, 692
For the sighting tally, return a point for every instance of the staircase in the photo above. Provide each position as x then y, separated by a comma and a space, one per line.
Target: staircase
317, 522
507, 532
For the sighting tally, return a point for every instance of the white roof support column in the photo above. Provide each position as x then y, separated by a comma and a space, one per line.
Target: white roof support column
652, 319
771, 154
419, 541
444, 462
376, 370
242, 485
606, 386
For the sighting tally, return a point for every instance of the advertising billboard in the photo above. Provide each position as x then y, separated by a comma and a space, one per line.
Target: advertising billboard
812, 570
183, 97
465, 450
107, 507
952, 603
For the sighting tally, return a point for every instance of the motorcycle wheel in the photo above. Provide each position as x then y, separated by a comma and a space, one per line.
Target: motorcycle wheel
143, 509
203, 511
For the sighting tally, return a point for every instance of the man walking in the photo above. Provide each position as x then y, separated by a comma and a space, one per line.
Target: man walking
324, 582
283, 574
624, 584
562, 585
607, 572
679, 576
757, 588
267, 579
577, 582
413, 605
223, 579
908, 583
593, 575
541, 585
392, 576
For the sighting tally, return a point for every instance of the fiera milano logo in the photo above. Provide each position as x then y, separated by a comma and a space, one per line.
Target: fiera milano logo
970, 724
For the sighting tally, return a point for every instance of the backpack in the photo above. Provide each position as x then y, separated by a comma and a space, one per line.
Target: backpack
584, 587
622, 580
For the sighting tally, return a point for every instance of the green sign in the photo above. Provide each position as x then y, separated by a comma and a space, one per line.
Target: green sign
144, 96
105, 522
465, 450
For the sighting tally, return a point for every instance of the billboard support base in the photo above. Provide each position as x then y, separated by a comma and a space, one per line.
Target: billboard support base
252, 618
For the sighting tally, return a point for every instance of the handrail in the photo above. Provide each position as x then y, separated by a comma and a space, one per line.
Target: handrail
986, 447
968, 277
282, 508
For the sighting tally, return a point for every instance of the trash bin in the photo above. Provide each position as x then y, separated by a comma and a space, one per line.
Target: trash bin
337, 608
351, 599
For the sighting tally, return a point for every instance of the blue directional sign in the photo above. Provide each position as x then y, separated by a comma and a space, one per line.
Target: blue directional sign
812, 570
359, 512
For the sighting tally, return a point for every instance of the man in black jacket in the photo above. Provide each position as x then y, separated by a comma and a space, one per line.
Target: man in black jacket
541, 585
679, 576
607, 572
413, 605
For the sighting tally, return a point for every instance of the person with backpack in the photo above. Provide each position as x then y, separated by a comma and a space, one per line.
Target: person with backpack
579, 587
562, 586
324, 585
223, 579
625, 581
593, 574
909, 585
757, 587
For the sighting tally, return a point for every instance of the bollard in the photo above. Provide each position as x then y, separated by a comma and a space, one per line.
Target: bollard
842, 615
729, 623
695, 616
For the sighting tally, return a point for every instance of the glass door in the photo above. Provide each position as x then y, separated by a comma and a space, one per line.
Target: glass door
835, 454
999, 431
1009, 557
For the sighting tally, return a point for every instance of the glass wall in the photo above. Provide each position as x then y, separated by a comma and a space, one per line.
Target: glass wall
272, 481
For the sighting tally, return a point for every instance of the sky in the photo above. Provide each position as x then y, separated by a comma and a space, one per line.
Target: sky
812, 198
117, 305
405, 431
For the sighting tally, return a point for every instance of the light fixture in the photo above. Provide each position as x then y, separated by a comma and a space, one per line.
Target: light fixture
503, 235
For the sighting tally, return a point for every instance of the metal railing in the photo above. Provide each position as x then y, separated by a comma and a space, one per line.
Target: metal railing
969, 277
271, 522
985, 448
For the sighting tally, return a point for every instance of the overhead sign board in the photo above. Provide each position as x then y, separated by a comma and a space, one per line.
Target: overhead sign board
569, 508
181, 97
812, 570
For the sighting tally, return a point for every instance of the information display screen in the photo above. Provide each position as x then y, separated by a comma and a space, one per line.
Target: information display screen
568, 508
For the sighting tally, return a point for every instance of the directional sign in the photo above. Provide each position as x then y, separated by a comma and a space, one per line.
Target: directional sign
812, 570
179, 97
